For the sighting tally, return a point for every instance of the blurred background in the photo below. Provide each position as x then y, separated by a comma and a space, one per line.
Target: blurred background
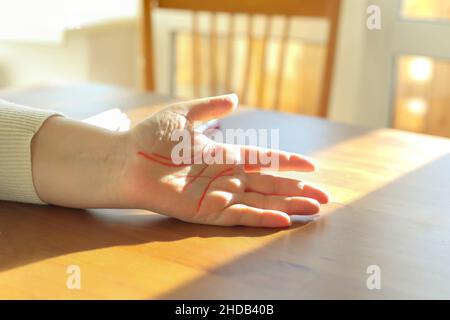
395, 76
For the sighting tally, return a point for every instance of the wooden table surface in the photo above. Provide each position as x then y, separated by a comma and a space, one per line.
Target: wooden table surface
390, 208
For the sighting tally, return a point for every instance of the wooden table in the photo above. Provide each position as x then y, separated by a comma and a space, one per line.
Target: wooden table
391, 208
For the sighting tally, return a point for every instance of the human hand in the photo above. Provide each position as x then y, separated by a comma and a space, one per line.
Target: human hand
232, 193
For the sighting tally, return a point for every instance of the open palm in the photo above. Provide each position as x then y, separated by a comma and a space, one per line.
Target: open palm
232, 193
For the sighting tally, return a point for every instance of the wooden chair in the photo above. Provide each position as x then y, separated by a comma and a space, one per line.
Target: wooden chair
328, 9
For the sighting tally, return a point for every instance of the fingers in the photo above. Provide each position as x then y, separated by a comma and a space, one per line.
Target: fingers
243, 215
256, 159
274, 185
289, 205
208, 108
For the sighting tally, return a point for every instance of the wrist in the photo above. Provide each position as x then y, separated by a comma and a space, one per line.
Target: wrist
77, 165
113, 161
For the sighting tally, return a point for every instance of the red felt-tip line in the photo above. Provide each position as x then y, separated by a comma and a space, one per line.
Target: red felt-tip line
161, 156
195, 177
220, 174
157, 158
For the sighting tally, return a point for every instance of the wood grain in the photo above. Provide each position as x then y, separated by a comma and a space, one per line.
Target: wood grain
390, 208
196, 55
281, 63
309, 8
147, 61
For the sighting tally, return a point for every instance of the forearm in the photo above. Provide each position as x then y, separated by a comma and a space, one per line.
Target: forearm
77, 165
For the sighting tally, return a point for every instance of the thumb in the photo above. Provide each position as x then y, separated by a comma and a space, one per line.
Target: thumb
208, 108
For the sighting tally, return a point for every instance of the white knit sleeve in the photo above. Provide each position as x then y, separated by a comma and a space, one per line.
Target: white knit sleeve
18, 124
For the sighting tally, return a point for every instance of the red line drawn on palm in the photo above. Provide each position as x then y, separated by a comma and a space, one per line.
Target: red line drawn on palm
167, 162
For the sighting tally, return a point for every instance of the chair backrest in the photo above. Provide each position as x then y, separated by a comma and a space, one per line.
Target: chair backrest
328, 9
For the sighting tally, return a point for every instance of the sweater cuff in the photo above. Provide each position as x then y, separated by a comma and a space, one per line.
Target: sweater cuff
18, 124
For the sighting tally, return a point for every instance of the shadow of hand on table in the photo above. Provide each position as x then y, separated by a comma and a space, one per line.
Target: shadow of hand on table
33, 233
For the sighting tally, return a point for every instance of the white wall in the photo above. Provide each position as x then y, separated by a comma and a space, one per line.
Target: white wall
345, 95
23, 63
365, 62
105, 53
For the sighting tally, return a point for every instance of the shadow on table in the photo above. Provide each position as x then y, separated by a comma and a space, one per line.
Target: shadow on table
328, 258
402, 227
33, 233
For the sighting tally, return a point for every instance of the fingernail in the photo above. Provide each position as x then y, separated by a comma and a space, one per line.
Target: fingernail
315, 166
330, 199
312, 162
234, 99
289, 222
